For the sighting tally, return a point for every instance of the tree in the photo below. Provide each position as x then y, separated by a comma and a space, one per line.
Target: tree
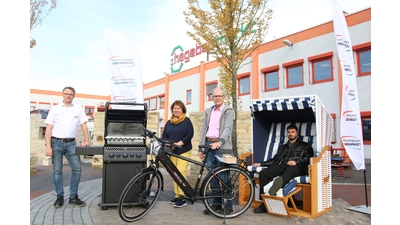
231, 30
39, 10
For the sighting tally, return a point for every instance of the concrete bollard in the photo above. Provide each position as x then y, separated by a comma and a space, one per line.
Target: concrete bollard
47, 161
33, 164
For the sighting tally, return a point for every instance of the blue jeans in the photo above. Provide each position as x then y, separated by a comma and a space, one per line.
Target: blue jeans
66, 149
213, 163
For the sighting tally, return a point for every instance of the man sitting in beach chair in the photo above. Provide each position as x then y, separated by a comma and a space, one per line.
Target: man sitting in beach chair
290, 161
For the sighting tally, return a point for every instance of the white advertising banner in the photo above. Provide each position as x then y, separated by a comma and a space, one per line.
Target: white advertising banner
126, 83
350, 124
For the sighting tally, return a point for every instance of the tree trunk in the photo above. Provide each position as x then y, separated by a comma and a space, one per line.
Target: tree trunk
234, 106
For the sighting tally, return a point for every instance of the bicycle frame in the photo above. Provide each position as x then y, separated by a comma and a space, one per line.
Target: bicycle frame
220, 188
190, 192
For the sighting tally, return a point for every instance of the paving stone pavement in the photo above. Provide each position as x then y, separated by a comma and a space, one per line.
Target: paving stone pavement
42, 211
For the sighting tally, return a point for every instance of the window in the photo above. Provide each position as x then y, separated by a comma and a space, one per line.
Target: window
294, 73
244, 84
188, 97
32, 106
147, 101
89, 110
153, 103
366, 127
271, 78
363, 57
321, 67
161, 98
209, 88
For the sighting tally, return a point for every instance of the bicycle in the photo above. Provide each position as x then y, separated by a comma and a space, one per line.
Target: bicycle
142, 192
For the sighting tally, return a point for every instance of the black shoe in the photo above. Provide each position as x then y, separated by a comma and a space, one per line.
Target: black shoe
180, 203
173, 201
275, 186
217, 208
76, 201
260, 209
59, 202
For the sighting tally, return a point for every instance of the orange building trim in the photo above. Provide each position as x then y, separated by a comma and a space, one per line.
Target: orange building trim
58, 93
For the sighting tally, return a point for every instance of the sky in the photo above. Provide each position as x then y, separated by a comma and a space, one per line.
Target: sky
71, 48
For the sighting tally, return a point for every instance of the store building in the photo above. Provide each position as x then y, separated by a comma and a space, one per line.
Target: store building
309, 66
277, 69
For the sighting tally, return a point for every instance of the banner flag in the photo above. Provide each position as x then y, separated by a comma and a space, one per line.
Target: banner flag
126, 83
350, 124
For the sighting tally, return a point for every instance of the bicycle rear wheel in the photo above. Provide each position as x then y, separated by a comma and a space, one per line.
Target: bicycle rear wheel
139, 196
230, 194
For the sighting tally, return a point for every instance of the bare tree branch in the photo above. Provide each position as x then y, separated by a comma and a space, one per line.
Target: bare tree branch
231, 30
39, 11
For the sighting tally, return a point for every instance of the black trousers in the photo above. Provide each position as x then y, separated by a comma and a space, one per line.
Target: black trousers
286, 172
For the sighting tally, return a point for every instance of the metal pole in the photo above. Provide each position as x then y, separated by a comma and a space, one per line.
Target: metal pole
366, 190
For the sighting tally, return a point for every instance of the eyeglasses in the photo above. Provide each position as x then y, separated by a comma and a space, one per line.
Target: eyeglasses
218, 96
68, 94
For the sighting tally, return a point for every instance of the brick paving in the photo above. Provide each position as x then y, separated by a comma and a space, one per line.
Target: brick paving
346, 191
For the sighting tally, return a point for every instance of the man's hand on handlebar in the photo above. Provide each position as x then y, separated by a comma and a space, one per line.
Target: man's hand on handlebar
203, 150
215, 145
212, 146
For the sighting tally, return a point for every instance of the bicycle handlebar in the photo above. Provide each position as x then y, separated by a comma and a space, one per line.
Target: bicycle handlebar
207, 148
151, 134
204, 146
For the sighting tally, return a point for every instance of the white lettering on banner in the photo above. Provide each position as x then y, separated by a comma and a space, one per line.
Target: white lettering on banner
350, 127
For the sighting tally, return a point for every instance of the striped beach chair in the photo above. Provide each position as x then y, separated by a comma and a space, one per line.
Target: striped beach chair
270, 120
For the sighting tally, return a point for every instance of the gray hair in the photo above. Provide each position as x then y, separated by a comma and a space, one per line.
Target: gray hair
223, 91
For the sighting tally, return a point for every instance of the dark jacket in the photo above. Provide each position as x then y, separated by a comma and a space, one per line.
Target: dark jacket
301, 154
182, 131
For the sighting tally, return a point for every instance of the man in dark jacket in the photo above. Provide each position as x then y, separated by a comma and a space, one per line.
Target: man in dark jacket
290, 161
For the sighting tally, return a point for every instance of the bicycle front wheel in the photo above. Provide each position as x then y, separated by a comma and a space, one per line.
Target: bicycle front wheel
229, 193
139, 196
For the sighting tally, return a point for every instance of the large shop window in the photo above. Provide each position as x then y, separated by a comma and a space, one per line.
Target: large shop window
271, 78
209, 88
366, 127
161, 98
363, 58
244, 83
321, 67
294, 73
89, 110
188, 97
